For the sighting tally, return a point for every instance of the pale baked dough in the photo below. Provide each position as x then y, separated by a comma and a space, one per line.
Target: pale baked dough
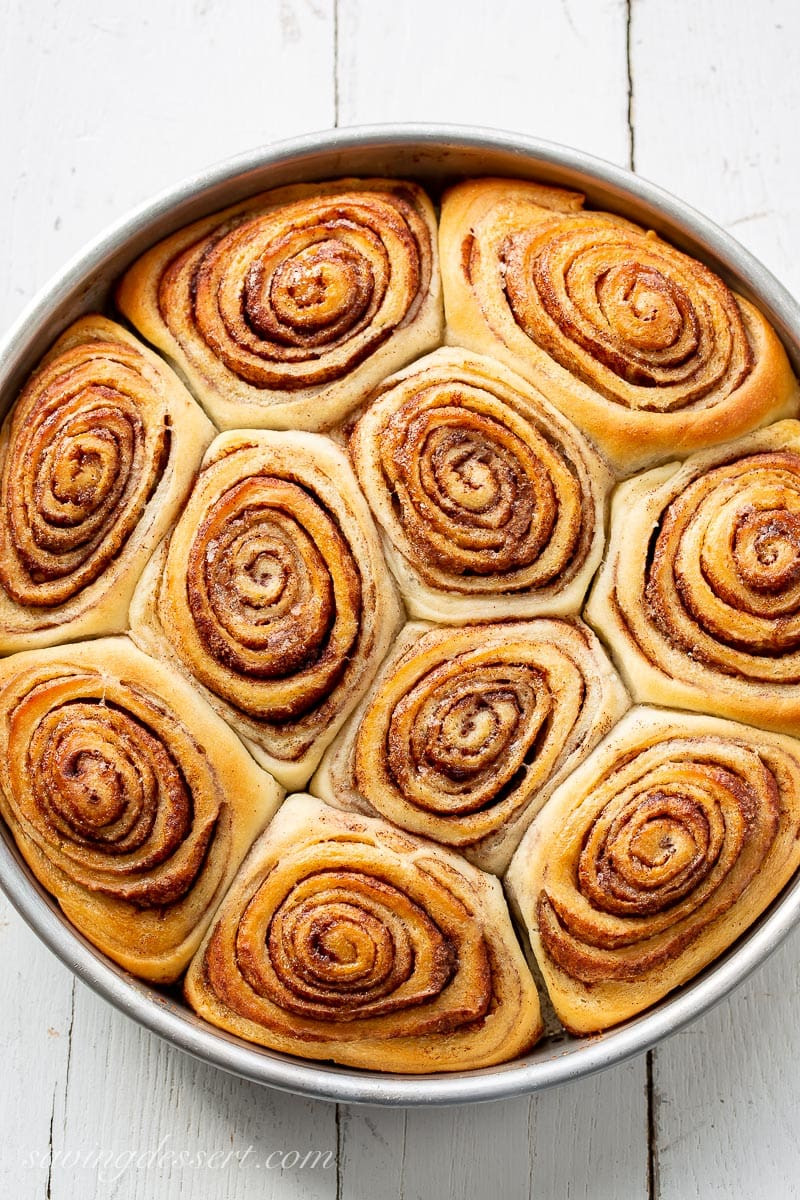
699, 596
643, 347
466, 732
271, 594
97, 456
669, 841
343, 938
130, 800
492, 504
282, 311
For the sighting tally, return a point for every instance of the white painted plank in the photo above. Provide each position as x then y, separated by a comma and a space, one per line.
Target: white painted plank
716, 113
36, 1007
714, 123
144, 1120
585, 1140
557, 71
112, 102
552, 69
589, 1140
109, 104
727, 1094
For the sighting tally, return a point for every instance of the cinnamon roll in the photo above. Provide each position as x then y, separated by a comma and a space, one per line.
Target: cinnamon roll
130, 800
272, 595
344, 939
466, 732
96, 457
284, 310
660, 850
643, 347
699, 597
491, 502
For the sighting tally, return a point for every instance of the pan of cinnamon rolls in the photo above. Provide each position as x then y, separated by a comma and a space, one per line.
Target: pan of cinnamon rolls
400, 615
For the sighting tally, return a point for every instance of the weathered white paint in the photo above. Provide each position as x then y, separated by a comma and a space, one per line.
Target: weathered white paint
716, 95
104, 104
552, 70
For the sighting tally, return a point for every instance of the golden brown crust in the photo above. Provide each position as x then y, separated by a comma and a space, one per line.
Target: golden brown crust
491, 503
96, 458
132, 803
580, 348
466, 732
272, 595
699, 596
284, 310
344, 939
643, 347
654, 856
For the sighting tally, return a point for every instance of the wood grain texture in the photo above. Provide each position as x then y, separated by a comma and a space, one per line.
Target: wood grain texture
712, 116
551, 70
37, 1007
110, 104
513, 1150
711, 125
726, 1093
129, 1093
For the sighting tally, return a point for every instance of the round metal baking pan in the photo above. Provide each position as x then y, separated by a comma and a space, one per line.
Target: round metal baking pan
435, 155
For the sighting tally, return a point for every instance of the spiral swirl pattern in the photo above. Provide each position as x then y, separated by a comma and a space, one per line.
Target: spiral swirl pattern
674, 836
283, 298
466, 732
647, 326
712, 604
119, 810
725, 575
97, 782
272, 593
342, 936
641, 345
88, 445
483, 489
273, 589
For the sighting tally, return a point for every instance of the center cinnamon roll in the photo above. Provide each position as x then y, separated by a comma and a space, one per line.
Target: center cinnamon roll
491, 502
466, 732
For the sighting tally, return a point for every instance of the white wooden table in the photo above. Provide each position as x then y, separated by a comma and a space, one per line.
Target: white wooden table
101, 104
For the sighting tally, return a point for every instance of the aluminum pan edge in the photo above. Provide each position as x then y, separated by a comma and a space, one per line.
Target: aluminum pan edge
432, 153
